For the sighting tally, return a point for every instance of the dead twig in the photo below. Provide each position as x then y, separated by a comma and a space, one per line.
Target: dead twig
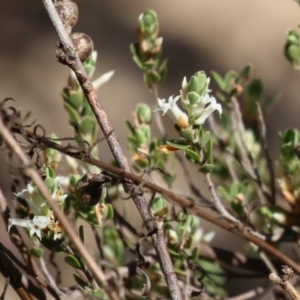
284, 281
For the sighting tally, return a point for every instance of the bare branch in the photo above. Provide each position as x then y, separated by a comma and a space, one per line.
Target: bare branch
75, 64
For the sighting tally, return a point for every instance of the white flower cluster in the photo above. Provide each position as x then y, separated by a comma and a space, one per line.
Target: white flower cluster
199, 104
43, 219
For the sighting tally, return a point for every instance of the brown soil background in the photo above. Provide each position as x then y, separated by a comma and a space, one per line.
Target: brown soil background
198, 35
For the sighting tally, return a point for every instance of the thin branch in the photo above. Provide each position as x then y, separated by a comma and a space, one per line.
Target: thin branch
262, 129
217, 202
141, 203
33, 174
267, 261
46, 272
241, 231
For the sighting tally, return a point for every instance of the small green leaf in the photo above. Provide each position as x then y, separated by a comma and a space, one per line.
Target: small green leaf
245, 74
174, 253
204, 139
110, 212
187, 134
87, 125
206, 168
50, 172
73, 261
81, 233
73, 115
143, 113
80, 281
75, 98
36, 252
151, 77
230, 79
223, 192
195, 253
97, 293
50, 183
218, 79
159, 206
129, 127
191, 155
255, 89
198, 83
292, 37
209, 152
211, 267
293, 54
163, 70
193, 97
178, 144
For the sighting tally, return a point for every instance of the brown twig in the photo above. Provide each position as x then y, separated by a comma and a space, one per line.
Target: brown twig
244, 232
33, 174
75, 64
284, 281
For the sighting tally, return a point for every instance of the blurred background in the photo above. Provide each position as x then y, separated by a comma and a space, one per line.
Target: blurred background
198, 35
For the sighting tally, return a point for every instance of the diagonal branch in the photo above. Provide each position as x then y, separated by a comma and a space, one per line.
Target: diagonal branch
35, 177
239, 230
141, 203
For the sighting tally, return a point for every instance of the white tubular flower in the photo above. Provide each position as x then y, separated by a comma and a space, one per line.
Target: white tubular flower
184, 86
176, 114
102, 79
207, 107
35, 226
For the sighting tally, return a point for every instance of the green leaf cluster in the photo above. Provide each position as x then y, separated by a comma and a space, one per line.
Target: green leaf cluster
148, 49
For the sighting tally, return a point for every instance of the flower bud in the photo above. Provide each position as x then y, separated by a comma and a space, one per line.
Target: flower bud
199, 83
144, 113
83, 45
148, 24
68, 12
